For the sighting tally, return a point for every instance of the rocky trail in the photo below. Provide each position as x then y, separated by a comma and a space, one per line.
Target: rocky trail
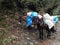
18, 35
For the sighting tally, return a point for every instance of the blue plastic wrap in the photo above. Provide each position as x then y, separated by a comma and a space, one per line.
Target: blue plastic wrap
29, 18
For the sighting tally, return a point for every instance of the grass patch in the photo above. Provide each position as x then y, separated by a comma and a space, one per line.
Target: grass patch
3, 22
3, 33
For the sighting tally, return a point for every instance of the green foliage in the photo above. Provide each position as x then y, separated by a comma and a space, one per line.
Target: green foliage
39, 3
57, 11
2, 22
3, 33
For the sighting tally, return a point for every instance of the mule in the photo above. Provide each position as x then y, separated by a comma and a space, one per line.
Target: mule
40, 26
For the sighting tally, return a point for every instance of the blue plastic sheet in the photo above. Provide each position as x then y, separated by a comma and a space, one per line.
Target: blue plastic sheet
55, 18
29, 18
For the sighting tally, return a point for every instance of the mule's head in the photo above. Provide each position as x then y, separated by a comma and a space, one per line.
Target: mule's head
20, 19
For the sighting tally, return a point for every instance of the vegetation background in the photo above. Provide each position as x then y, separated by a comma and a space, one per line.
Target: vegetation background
10, 10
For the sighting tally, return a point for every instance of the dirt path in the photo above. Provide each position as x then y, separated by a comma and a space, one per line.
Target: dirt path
29, 37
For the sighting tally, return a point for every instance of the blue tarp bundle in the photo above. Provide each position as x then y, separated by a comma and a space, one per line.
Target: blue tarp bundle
55, 18
29, 18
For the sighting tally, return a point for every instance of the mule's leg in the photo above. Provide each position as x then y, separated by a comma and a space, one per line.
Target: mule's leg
40, 31
53, 30
41, 34
48, 32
